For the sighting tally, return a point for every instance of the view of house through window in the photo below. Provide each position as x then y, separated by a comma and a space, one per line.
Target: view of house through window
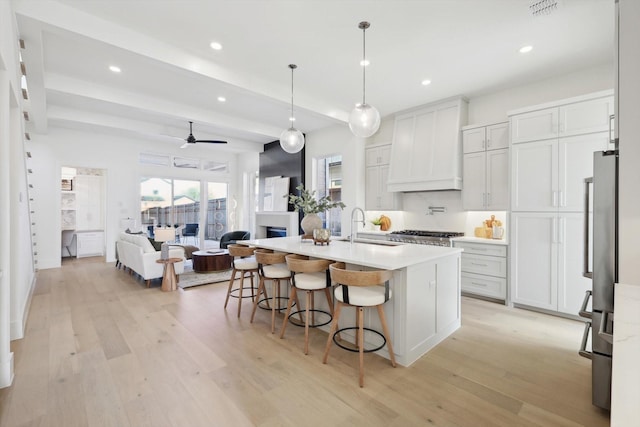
176, 203
329, 183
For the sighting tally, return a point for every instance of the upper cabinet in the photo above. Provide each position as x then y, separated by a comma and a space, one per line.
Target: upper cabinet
577, 117
486, 167
426, 153
376, 196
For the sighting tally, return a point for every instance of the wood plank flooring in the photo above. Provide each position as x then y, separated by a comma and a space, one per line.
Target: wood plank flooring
101, 349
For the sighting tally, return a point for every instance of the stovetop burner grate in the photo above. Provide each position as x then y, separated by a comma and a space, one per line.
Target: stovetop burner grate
427, 233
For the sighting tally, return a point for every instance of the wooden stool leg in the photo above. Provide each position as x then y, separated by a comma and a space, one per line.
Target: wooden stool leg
233, 276
306, 322
334, 328
240, 294
385, 329
361, 344
292, 297
255, 303
276, 294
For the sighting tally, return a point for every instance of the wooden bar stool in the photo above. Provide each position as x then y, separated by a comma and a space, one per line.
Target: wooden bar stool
271, 266
245, 263
308, 276
360, 289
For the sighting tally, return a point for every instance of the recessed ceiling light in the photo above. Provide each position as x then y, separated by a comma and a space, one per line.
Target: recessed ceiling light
364, 62
426, 82
114, 68
525, 49
292, 119
215, 46
222, 99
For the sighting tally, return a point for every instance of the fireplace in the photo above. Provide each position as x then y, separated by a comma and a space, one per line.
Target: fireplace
284, 223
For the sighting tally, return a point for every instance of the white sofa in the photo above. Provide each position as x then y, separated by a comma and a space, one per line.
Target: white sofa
136, 253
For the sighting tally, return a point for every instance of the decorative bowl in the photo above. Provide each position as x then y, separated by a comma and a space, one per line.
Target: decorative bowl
321, 235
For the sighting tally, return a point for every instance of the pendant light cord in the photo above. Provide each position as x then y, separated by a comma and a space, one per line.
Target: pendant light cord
364, 64
293, 67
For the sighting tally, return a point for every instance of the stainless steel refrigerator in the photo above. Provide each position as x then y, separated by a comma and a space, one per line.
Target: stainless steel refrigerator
601, 265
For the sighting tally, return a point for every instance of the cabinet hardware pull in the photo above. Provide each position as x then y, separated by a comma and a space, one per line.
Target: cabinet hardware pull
612, 139
479, 284
583, 346
603, 324
488, 199
488, 142
585, 254
554, 201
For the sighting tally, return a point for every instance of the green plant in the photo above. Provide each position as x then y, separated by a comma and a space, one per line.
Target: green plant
376, 221
308, 203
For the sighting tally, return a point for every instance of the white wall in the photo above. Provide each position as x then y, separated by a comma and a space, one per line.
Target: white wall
16, 264
493, 107
118, 156
334, 140
629, 137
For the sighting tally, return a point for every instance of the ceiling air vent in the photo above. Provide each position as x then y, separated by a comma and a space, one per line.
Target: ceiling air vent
543, 7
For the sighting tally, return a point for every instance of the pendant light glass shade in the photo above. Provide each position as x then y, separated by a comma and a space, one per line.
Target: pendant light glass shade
364, 120
292, 140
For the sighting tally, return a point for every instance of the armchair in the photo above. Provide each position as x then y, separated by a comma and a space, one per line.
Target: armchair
232, 237
190, 230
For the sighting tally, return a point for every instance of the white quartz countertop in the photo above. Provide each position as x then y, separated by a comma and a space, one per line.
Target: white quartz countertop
481, 240
366, 254
626, 355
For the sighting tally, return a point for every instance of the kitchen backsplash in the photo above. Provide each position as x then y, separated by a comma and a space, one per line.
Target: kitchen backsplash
416, 214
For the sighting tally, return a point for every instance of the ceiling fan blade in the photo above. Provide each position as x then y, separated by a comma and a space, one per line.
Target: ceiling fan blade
211, 141
185, 145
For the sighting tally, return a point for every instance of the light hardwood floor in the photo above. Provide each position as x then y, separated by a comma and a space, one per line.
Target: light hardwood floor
103, 350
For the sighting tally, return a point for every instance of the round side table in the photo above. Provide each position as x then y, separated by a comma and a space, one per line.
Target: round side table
169, 280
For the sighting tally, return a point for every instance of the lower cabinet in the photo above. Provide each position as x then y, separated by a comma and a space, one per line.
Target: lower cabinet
546, 261
89, 243
484, 269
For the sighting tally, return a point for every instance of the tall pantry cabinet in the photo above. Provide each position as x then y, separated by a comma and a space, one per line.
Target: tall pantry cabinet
551, 155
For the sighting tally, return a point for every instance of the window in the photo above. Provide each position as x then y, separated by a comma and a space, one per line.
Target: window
329, 183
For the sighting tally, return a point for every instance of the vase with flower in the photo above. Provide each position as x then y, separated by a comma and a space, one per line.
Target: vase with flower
311, 206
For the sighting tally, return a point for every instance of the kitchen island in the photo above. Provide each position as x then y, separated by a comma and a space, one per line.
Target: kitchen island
425, 305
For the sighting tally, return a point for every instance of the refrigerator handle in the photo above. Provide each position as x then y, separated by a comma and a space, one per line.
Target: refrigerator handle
601, 330
585, 256
583, 346
583, 309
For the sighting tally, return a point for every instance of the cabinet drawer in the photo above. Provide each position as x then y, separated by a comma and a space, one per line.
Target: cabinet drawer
494, 287
480, 264
482, 249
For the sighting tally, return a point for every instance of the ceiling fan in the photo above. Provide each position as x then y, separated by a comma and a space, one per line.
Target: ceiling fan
192, 139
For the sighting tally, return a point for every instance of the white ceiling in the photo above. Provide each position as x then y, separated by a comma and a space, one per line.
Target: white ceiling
170, 74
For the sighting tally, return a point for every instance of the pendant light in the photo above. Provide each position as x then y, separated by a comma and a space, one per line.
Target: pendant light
292, 140
364, 120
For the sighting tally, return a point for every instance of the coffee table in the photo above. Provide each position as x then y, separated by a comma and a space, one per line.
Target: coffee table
206, 262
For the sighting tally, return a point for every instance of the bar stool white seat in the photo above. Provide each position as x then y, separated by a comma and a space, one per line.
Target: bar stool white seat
309, 276
360, 289
271, 266
244, 262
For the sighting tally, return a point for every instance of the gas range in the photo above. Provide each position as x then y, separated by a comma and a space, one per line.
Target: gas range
423, 237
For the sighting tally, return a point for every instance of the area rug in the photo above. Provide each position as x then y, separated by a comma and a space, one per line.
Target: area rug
191, 278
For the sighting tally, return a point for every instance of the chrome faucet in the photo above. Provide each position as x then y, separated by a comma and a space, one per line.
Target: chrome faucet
353, 218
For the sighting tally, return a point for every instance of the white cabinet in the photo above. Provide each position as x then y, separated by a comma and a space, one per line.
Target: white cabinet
483, 269
576, 117
90, 244
551, 155
89, 209
548, 175
426, 153
486, 168
546, 261
377, 172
